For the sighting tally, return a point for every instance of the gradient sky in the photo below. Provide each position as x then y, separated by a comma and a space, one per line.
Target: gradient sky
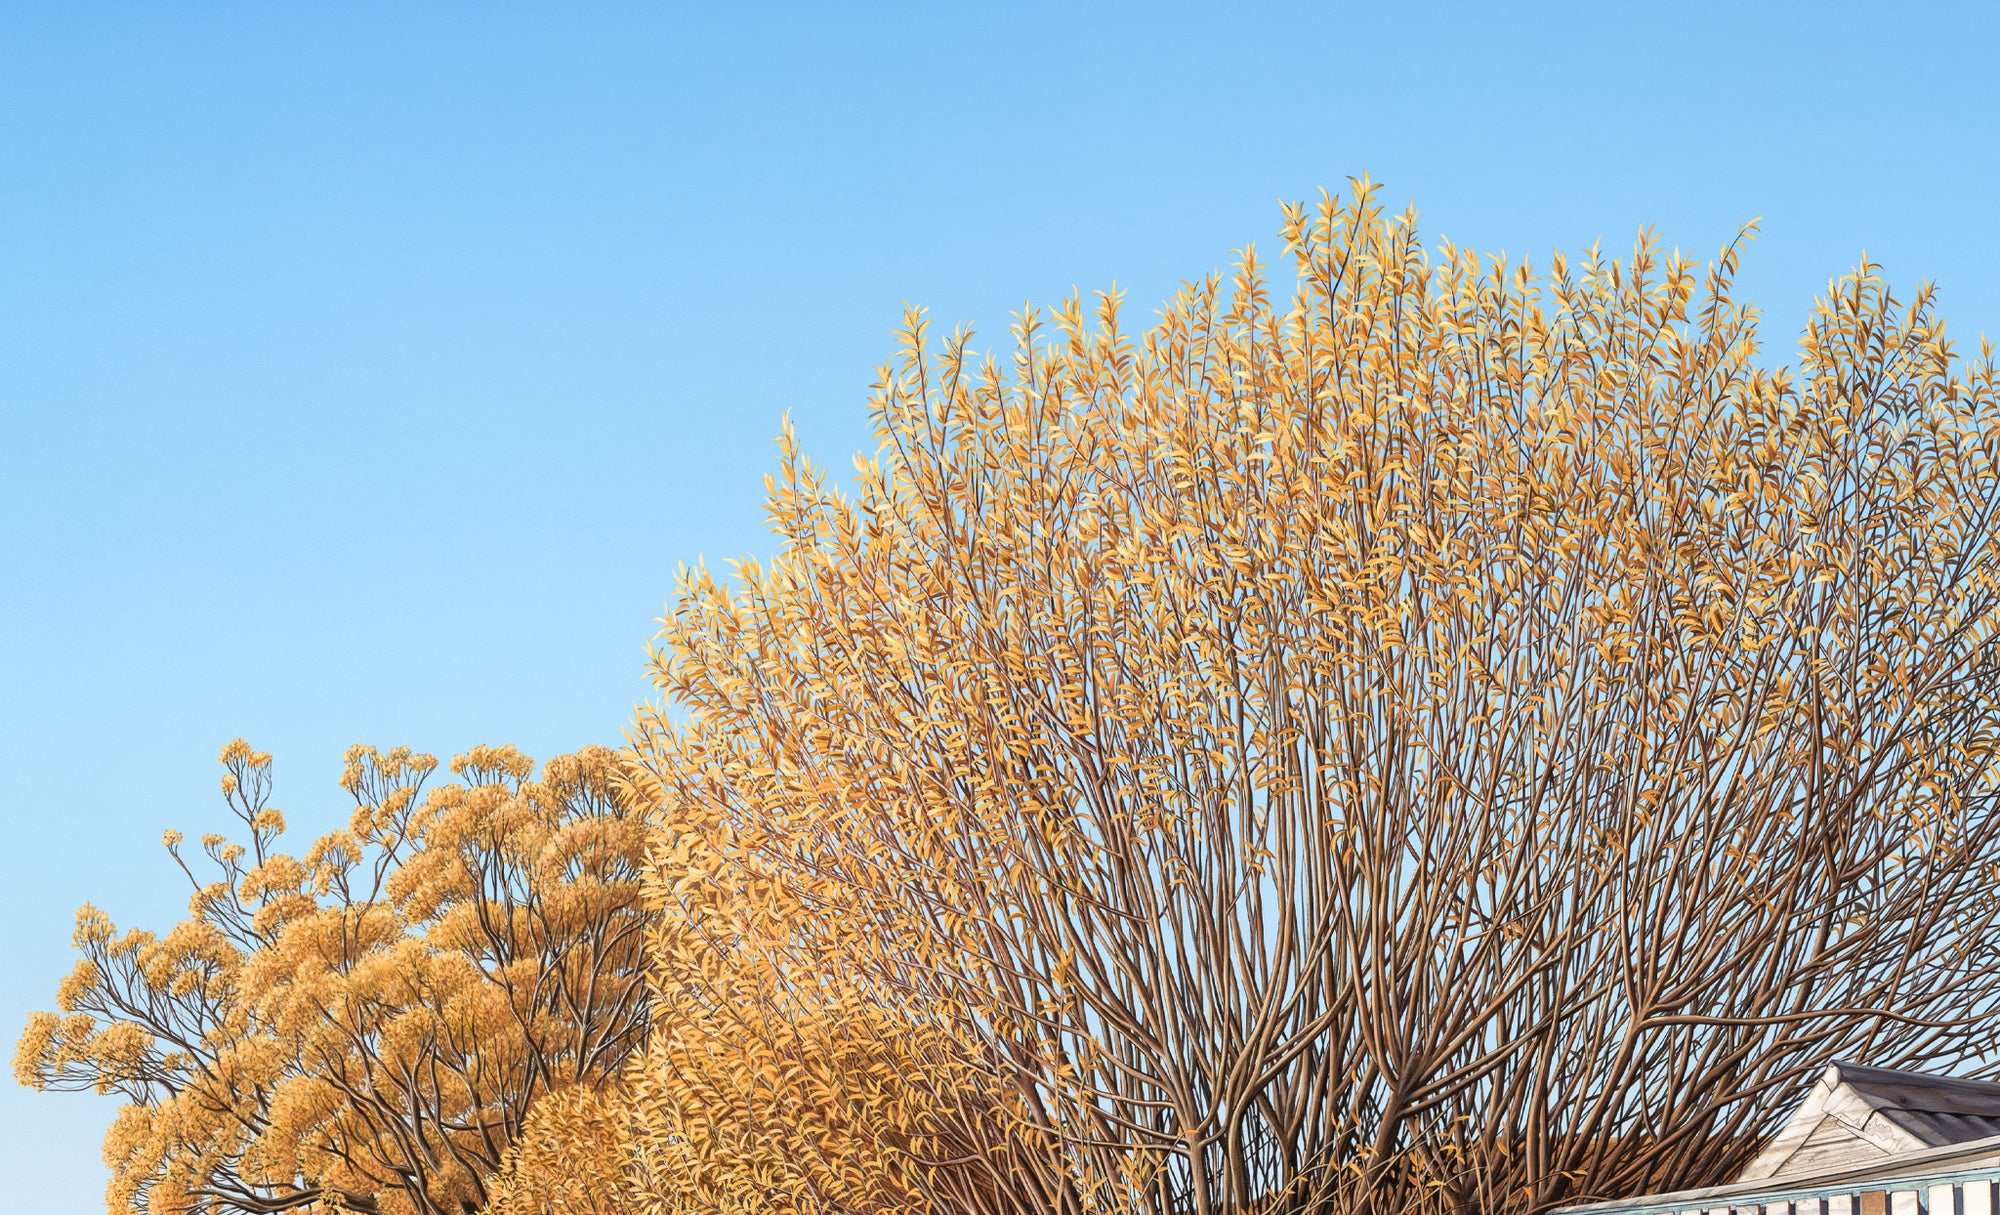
367, 371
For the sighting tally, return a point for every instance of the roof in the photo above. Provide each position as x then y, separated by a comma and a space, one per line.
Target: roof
1857, 1114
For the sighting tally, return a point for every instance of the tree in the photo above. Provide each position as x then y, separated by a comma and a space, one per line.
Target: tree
1453, 736
366, 1026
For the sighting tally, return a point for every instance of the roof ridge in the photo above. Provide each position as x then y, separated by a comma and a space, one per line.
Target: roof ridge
1862, 1075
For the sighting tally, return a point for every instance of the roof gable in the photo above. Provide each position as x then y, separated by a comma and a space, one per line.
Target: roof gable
1855, 1114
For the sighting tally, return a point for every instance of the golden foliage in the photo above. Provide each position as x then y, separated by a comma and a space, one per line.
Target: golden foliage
575, 1156
364, 1026
1450, 732
773, 1080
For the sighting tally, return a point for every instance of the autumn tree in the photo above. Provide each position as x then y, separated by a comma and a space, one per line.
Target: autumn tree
1434, 733
365, 1026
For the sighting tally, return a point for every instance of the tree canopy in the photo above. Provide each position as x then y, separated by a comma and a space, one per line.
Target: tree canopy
1436, 731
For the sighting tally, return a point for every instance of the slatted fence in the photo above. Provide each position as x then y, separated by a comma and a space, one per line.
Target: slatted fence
1975, 1192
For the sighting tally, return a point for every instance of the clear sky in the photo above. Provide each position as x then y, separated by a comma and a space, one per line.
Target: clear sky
366, 371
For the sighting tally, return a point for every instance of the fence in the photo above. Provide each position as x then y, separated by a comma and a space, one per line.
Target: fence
1963, 1192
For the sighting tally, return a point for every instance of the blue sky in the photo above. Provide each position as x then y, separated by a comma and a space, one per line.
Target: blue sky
366, 371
